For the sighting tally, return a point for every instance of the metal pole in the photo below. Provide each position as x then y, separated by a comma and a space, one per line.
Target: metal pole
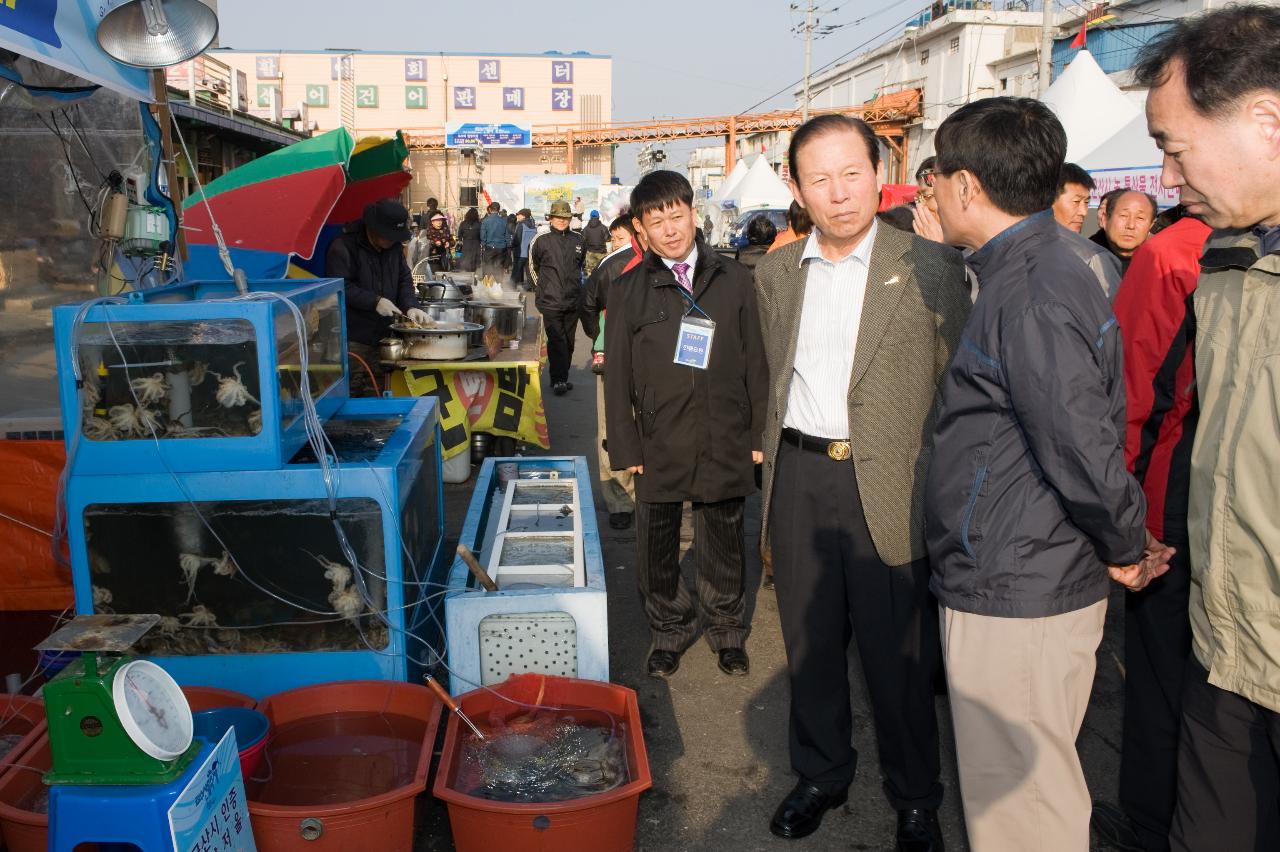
808, 53
1046, 46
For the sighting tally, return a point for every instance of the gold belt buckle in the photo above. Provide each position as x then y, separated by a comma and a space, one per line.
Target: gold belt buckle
839, 450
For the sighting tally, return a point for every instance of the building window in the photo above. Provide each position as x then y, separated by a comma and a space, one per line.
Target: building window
955, 44
924, 57
1004, 84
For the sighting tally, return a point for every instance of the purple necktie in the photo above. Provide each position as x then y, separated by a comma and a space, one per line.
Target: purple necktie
682, 275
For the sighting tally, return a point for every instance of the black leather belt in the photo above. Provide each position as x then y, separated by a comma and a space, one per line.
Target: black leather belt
838, 450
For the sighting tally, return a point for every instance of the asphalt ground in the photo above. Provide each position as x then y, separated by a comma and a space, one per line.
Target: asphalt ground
717, 745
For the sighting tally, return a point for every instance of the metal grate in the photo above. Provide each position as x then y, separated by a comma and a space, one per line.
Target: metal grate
518, 643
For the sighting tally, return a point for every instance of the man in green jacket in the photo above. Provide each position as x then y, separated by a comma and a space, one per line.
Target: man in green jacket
1214, 110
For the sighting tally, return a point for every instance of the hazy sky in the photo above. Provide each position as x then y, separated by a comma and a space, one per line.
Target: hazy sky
670, 59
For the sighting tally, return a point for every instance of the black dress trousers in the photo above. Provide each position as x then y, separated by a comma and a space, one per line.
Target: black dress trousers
831, 586
1157, 642
721, 563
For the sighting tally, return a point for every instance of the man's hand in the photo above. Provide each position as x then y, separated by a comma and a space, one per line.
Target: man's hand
637, 469
757, 457
1155, 562
386, 307
419, 316
926, 223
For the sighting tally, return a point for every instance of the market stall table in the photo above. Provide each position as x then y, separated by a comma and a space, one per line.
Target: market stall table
501, 397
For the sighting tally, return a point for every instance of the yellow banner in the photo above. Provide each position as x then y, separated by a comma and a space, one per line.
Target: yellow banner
503, 398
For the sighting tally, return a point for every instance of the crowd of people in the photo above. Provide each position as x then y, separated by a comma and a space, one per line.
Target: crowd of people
971, 422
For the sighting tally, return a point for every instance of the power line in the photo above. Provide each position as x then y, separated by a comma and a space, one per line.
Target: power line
791, 87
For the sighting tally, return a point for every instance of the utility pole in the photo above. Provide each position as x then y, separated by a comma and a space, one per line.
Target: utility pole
1046, 46
808, 54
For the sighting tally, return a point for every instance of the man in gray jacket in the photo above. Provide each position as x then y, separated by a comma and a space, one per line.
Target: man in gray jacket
1028, 498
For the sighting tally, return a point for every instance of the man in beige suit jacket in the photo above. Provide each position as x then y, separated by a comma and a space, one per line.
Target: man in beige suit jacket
859, 323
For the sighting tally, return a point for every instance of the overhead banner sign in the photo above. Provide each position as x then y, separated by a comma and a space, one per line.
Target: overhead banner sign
60, 33
459, 134
1141, 179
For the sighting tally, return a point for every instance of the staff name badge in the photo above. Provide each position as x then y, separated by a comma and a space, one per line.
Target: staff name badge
693, 346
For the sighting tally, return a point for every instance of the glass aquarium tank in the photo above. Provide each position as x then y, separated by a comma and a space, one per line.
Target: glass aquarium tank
193, 377
247, 570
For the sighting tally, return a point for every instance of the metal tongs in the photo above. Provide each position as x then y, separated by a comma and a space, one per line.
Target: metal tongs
444, 696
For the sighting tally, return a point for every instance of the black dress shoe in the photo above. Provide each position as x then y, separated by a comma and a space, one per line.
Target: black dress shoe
801, 811
733, 661
663, 663
918, 831
620, 520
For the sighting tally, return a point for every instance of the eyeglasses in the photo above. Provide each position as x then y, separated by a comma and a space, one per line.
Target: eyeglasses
927, 175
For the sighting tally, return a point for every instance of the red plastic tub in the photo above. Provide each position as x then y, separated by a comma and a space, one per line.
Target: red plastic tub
212, 698
605, 822
319, 763
23, 716
25, 825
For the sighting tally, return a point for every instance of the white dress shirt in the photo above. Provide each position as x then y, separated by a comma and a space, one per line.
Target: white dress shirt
817, 404
692, 260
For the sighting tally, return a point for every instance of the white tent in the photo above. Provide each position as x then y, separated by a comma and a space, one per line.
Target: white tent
1090, 106
729, 184
1106, 131
760, 188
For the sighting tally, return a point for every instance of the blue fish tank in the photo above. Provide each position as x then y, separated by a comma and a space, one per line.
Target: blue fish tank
196, 376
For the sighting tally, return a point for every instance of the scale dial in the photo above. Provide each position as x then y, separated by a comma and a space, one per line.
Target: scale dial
154, 712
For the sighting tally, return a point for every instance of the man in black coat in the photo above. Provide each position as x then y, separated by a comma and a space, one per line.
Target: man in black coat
555, 264
685, 387
369, 254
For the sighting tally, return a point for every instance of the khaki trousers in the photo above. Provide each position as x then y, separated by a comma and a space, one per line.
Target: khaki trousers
1019, 688
616, 487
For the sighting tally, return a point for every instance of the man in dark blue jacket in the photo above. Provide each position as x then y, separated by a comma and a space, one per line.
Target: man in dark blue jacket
494, 240
1028, 502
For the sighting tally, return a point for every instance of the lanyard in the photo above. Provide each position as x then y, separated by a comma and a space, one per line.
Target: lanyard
693, 304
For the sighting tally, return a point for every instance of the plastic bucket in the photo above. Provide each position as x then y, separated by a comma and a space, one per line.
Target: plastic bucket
21, 716
251, 729
605, 822
384, 821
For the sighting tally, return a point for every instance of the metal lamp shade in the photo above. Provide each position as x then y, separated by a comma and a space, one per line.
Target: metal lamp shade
157, 33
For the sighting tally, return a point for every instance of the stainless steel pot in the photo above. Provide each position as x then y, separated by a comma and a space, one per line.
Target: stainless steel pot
443, 290
446, 310
506, 316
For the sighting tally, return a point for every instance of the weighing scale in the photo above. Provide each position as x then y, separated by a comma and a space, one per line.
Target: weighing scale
113, 719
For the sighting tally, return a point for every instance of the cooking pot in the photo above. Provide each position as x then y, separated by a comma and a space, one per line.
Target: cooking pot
507, 317
443, 290
446, 343
446, 310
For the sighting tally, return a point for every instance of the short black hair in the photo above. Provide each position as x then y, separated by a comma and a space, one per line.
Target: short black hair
1014, 146
494, 207
659, 190
1071, 173
798, 219
1225, 54
623, 221
927, 164
899, 217
433, 202
761, 231
831, 123
1104, 203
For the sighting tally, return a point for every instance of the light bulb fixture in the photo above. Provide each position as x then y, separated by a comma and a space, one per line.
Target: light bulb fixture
156, 33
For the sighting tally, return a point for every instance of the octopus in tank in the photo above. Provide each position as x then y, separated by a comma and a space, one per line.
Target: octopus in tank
224, 565
190, 564
228, 638
150, 389
231, 391
347, 602
169, 625
99, 429
255, 422
198, 373
335, 572
128, 420
200, 616
102, 599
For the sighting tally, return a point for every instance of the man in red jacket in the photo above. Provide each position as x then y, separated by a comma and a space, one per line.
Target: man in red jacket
1158, 328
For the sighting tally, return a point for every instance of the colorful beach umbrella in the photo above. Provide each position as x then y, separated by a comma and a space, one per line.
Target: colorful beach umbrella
285, 205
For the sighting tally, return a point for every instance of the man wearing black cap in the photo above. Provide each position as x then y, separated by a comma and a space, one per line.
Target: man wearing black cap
369, 255
555, 264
